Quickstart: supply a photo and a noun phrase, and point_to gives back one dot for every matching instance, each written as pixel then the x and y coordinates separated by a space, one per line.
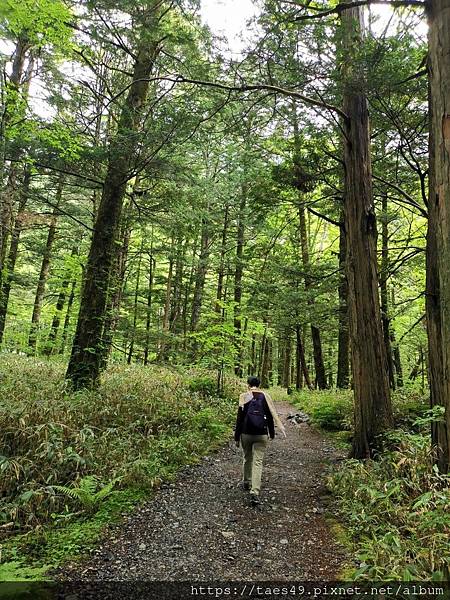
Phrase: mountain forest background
pixel 174 207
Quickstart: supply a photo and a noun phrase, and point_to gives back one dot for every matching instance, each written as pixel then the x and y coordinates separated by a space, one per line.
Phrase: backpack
pixel 255 418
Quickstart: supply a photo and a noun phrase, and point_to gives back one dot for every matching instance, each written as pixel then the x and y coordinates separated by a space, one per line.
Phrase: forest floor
pixel 202 527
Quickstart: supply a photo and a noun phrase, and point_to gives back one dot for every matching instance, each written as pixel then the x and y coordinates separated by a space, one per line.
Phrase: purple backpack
pixel 255 419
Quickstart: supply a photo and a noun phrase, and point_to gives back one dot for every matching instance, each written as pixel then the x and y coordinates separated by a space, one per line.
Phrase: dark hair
pixel 253 382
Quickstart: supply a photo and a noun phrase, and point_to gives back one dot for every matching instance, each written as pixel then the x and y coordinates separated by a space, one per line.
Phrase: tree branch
pixel 346 5
pixel 242 88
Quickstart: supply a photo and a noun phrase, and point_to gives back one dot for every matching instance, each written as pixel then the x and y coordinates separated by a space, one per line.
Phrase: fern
pixel 86 493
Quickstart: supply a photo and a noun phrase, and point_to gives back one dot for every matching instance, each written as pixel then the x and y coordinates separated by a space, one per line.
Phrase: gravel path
pixel 202 527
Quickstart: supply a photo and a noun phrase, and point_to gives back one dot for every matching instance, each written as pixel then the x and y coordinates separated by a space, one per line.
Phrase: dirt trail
pixel 201 527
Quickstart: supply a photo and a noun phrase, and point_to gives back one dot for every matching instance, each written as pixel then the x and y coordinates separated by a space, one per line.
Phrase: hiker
pixel 255 423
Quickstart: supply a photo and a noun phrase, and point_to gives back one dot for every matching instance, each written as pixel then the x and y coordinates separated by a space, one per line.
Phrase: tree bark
pixel 343 374
pixel 44 272
pixel 385 319
pixel 177 299
pixel 200 274
pixel 319 365
pixel 438 237
pixel 85 363
pixel 238 274
pixel 265 361
pixel 151 272
pixel 163 348
pixel 10 262
pixel 135 304
pixel 65 330
pixel 12 99
pixel 301 361
pixel 287 358
pixel 373 411
pixel 115 288
pixel 50 345
pixel 220 277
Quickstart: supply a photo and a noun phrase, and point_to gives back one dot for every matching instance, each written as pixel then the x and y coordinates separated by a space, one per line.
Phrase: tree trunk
pixel 135 304
pixel 10 262
pixel 163 348
pixel 65 330
pixel 438 237
pixel 221 273
pixel 176 304
pixel 287 358
pixel 385 319
pixel 319 365
pixel 265 362
pixel 115 288
pixel 301 360
pixel 343 375
pixel 373 411
pixel 151 272
pixel 50 345
pixel 200 275
pixel 85 363
pixel 298 362
pixel 13 101
pixel 238 273
pixel 44 273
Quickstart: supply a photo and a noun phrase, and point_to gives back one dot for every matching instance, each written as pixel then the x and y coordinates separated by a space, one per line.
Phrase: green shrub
pixel 396 510
pixel 331 409
pixel 408 405
pixel 204 385
pixel 140 426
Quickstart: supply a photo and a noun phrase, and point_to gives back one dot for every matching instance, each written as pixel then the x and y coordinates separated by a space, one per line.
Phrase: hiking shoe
pixel 254 500
pixel 244 485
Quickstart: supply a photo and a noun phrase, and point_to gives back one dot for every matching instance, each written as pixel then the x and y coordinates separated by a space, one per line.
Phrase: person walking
pixel 255 423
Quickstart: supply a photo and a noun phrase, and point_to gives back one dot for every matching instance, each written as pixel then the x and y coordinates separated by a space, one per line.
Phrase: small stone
pixel 227 534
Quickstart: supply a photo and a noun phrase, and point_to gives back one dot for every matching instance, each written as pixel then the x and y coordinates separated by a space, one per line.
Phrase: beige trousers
pixel 254 447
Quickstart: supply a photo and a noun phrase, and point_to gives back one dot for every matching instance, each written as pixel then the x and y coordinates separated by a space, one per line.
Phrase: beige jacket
pixel 247 396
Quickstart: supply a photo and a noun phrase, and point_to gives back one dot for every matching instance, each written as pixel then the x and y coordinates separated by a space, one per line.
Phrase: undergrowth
pixel 72 462
pixel 394 508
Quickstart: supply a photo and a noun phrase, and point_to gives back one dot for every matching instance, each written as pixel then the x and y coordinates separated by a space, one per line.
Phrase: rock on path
pixel 202 527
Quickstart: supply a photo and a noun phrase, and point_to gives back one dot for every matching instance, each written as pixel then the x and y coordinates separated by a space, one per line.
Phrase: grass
pixel 137 430
pixel 394 509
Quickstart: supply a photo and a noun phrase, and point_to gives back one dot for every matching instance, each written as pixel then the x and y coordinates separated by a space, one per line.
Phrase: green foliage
pixel 396 510
pixel 408 405
pixel 86 492
pixel 330 409
pixel 40 21
pixel 140 423
pixel 140 428
pixel 15 570
pixel 204 385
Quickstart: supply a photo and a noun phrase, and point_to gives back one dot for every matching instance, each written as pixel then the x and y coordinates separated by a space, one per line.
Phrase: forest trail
pixel 201 527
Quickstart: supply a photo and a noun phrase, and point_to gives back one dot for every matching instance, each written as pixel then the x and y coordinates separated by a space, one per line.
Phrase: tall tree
pixel 438 237
pixel 373 411
pixel 85 365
